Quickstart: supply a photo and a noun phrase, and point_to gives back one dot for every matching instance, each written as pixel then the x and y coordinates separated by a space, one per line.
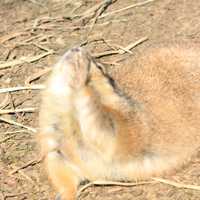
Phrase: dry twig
pixel 92 11
pixel 37 75
pixel 126 8
pixel 24 60
pixel 30 163
pixel 120 51
pixel 99 11
pixel 7 111
pixel 11 36
pixel 17 124
pixel 132 45
pixel 41 47
pixel 14 89
pixel 6 138
pixel 26 176
pixel 39 37
pixel 8 196
pixel 5 101
pixel 13 132
pixel 178 185
pixel 37 3
pixel 111 183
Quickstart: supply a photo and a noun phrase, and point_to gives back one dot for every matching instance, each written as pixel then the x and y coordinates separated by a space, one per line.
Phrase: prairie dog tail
pixel 150 166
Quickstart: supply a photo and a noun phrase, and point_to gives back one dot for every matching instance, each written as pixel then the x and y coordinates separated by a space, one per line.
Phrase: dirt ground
pixel 33 34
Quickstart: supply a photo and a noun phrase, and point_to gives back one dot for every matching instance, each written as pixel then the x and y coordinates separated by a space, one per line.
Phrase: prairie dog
pixel 141 120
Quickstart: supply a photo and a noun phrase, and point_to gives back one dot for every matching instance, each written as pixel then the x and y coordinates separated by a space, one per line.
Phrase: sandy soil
pixel 39 31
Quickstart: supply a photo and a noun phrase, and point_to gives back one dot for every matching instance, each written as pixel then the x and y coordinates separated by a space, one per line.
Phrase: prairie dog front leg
pixel 63 174
pixel 97 122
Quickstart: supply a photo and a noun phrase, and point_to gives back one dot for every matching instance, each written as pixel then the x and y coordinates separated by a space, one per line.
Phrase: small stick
pixel 120 51
pixel 37 75
pixel 126 8
pixel 91 11
pixel 6 196
pixel 30 163
pixel 123 50
pixel 11 36
pixel 14 89
pixel 12 132
pixel 132 45
pixel 6 138
pixel 41 47
pixel 32 38
pixel 175 184
pixel 7 111
pixel 5 101
pixel 24 60
pixel 100 10
pixel 105 53
pixel 26 176
pixel 20 172
pixel 111 183
pixel 17 124
pixel 45 37
pixel 37 3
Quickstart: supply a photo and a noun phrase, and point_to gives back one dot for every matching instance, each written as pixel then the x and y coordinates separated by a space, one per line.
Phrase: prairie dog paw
pixel 74 67
pixel 58 197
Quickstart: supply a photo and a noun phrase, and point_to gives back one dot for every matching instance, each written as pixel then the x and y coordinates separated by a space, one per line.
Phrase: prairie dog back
pixel 133 122
pixel 165 84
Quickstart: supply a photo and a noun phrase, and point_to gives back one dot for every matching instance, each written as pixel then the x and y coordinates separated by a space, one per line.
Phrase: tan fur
pixel 144 125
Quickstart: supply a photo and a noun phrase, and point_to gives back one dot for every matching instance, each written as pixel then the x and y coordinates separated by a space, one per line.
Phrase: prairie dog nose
pixel 74 52
pixel 73 68
pixel 74 56
pixel 76 49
